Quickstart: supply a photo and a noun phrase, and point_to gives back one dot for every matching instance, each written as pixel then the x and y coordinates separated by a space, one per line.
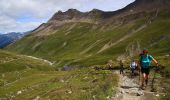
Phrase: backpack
pixel 133 65
pixel 148 57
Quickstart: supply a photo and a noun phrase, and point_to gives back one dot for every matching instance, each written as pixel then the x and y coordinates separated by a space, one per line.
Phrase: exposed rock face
pixel 137 6
pixel 134 10
pixel 68 15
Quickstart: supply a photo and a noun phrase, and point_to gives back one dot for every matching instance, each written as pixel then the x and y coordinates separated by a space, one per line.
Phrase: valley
pixel 67 57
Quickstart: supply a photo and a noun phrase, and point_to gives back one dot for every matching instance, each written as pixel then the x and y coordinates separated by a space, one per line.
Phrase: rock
pixel 69 91
pixel 167 55
pixel 37 98
pixel 157 95
pixel 122 91
pixel 127 91
pixel 19 92
pixel 139 93
pixel 108 97
pixel 62 81
pixel 12 96
pixel 94 97
pixel 85 78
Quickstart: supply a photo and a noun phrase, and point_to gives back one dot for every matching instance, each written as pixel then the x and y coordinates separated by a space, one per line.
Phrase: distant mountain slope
pixel 10 62
pixel 6 39
pixel 94 37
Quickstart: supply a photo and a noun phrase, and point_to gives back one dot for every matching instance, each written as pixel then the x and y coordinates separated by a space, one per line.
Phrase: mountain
pixel 78 46
pixel 6 39
pixel 91 38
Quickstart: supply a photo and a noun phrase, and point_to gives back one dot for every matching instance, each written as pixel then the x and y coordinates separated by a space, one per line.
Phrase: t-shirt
pixel 133 65
pixel 145 61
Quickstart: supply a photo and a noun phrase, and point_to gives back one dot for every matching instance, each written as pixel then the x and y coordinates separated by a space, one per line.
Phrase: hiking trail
pixel 128 89
pixel 36 58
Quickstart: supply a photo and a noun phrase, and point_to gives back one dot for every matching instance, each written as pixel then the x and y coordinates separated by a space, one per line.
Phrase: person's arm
pixel 155 61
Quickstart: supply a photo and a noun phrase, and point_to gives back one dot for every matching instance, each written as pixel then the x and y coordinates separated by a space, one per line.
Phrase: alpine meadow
pixel 68 57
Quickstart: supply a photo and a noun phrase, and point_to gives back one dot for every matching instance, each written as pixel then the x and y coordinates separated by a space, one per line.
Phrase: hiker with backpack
pixel 133 67
pixel 145 62
pixel 121 67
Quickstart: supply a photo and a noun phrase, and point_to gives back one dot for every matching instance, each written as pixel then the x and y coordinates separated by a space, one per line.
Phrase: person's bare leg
pixel 143 79
pixel 146 79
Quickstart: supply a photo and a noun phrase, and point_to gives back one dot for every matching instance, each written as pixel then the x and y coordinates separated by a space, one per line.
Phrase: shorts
pixel 132 69
pixel 145 70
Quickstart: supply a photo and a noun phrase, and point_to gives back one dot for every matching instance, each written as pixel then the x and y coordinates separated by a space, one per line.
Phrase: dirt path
pixel 44 60
pixel 129 89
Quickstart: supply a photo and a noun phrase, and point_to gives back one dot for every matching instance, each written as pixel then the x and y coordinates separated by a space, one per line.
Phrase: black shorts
pixel 145 70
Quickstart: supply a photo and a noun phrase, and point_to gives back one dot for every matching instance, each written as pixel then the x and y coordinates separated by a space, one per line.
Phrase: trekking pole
pixel 153 81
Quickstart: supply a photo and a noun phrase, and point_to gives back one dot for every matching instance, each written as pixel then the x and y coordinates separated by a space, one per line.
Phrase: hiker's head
pixel 145 51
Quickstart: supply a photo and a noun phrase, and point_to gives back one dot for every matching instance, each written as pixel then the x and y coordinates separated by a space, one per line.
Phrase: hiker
pixel 145 62
pixel 121 67
pixel 133 66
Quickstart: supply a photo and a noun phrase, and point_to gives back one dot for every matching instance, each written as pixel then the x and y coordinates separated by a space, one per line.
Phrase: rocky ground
pixel 129 89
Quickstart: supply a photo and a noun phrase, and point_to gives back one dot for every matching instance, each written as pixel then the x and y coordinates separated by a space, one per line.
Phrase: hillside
pixel 10 62
pixel 94 37
pixel 22 77
pixel 89 43
pixel 79 44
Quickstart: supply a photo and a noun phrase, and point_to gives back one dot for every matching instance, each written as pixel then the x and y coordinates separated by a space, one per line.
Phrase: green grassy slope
pixel 25 78
pixel 88 44
pixel 85 44
pixel 11 62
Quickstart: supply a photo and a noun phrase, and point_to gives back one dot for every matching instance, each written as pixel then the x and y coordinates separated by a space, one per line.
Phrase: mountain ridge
pixel 137 8
pixel 88 42
pixel 138 5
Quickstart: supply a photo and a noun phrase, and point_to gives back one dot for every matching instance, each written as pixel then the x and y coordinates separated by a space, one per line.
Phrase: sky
pixel 26 15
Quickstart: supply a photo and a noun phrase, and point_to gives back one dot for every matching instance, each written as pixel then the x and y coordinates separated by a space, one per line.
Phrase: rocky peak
pixel 73 11
pixel 96 11
pixel 67 15
pixel 135 7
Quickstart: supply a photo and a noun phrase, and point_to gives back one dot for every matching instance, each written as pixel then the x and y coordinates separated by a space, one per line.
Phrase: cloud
pixel 8 24
pixel 12 12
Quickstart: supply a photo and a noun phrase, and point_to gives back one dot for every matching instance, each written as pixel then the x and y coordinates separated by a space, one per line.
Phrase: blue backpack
pixel 145 61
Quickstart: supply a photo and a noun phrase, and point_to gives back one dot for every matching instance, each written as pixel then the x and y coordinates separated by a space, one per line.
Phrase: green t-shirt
pixel 145 61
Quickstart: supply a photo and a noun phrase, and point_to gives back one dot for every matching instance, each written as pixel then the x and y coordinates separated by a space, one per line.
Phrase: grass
pixel 83 41
pixel 11 62
pixel 72 85
pixel 80 47
pixel 41 80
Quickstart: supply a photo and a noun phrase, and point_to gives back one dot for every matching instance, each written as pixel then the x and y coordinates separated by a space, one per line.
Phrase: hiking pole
pixel 152 82
pixel 153 79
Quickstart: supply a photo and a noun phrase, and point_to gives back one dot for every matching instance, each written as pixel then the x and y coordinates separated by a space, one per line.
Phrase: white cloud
pixel 8 24
pixel 12 10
